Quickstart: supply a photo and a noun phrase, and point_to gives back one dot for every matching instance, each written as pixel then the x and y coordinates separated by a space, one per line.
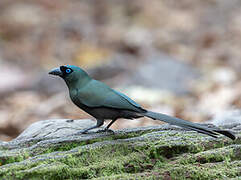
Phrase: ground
pixel 161 152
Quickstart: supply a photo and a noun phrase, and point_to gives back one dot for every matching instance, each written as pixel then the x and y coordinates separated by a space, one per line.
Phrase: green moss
pixel 203 171
pixel 173 155
pixel 13 158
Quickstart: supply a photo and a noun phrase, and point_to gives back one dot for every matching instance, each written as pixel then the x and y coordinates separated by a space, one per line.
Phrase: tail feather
pixel 226 133
pixel 188 125
pixel 202 131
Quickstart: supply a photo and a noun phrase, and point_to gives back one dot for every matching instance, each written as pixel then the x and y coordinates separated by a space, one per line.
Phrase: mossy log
pixel 49 150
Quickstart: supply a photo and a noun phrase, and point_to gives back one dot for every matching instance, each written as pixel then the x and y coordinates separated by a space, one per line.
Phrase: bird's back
pixel 98 94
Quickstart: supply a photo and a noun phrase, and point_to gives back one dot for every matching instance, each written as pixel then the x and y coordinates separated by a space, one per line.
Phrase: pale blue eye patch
pixel 68 71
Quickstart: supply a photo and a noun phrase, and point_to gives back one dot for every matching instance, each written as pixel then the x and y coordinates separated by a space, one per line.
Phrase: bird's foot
pixel 84 131
pixel 106 130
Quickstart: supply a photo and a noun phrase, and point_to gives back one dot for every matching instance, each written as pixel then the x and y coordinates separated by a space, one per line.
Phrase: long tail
pixel 189 125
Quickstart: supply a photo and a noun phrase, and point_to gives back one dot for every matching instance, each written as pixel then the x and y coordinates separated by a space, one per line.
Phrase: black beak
pixel 56 72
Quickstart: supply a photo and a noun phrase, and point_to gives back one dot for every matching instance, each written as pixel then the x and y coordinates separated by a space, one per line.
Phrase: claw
pixel 85 131
pixel 106 130
pixel 81 132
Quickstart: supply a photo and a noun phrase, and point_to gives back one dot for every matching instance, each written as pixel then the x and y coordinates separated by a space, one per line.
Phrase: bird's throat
pixel 77 84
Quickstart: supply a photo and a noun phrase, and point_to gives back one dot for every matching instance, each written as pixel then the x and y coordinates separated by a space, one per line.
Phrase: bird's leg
pixel 99 123
pixel 108 126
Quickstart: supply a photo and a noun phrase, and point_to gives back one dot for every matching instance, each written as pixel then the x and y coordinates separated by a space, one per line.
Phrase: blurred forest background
pixel 182 58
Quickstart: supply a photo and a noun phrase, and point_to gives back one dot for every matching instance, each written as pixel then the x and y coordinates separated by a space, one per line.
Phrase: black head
pixel 71 74
pixel 62 71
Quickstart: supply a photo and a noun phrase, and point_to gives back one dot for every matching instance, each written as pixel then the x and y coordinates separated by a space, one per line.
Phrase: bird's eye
pixel 68 71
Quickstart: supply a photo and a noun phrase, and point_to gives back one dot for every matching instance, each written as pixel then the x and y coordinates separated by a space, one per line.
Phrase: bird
pixel 105 103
